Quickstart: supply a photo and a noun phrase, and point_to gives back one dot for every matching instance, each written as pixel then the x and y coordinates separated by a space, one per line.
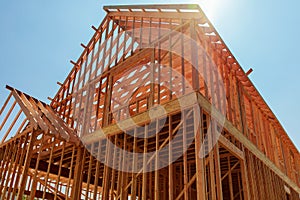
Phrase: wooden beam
pixel 231 147
pixel 142 118
pixel 156 15
pixel 156 6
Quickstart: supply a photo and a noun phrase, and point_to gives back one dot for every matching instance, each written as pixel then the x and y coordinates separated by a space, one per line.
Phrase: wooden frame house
pixel 156 107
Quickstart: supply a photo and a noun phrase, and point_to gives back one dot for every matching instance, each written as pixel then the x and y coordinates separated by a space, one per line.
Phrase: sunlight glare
pixel 212 7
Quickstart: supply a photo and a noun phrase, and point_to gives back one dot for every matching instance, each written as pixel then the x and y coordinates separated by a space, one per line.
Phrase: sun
pixel 212 7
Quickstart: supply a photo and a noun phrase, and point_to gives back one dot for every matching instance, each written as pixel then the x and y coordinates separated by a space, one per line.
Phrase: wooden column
pixel 134 166
pixel 185 164
pixel 34 183
pixel 98 164
pixel 77 174
pixel 70 173
pixel 200 166
pixel 171 174
pixel 245 179
pixel 124 170
pixel 89 171
pixel 114 165
pixel 106 172
pixel 59 171
pixel 211 158
pixel 26 165
pixel 107 103
pixel 194 57
pixel 217 160
pixel 145 159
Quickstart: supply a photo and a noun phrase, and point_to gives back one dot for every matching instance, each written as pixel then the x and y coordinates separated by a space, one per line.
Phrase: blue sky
pixel 38 38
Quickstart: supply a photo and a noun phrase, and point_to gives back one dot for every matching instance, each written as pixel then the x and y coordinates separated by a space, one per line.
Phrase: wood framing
pixel 156 107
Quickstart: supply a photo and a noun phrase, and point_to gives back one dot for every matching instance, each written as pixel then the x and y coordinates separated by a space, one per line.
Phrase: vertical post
pixel 132 36
pixel 152 79
pixel 70 172
pixel 111 44
pixel 80 180
pixel 125 38
pixel 200 167
pixel 134 166
pixel 105 45
pixel 242 108
pixel 98 164
pixel 68 100
pixel 77 174
pixel 182 58
pixel 107 103
pixel 159 63
pixel 170 62
pixel 124 172
pixel 89 172
pixel 106 171
pixel 230 178
pixel 217 161
pixel 34 183
pixel 86 114
pixel 232 95
pixel 48 168
pixel 184 149
pixel 100 33
pixel 145 159
pixel 59 170
pixel 245 179
pixel 211 163
pixel 118 44
pixel 171 175
pixel 156 169
pixel 113 176
pixel 250 136
pixel 76 85
pixel 26 165
pixel 194 57
pixel 119 172
pixel 98 104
